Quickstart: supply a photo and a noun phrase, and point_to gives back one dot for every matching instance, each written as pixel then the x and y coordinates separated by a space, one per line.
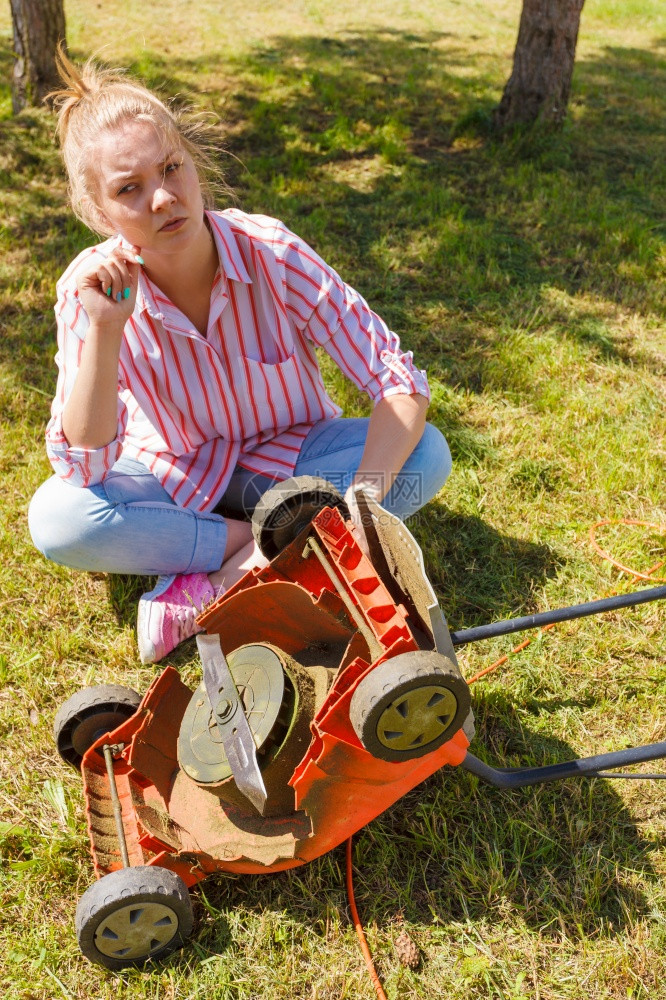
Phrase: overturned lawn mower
pixel 330 688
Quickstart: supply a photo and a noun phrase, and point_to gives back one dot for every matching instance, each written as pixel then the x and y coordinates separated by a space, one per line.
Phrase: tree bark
pixel 38 27
pixel 543 62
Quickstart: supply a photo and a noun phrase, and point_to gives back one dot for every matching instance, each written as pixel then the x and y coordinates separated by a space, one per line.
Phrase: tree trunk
pixel 539 85
pixel 38 27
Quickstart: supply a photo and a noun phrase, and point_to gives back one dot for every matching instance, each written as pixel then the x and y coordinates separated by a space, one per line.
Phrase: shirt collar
pixel 145 297
pixel 231 261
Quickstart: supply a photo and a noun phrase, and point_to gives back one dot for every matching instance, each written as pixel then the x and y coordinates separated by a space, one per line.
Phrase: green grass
pixel 527 276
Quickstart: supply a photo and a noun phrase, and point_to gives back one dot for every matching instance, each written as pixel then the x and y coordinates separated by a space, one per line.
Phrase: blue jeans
pixel 129 523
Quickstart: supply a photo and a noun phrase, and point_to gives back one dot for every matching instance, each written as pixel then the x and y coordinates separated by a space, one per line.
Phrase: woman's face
pixel 147 190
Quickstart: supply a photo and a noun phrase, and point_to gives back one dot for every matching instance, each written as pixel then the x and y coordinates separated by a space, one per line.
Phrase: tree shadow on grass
pixel 478 573
pixel 455 849
pixel 550 853
pixel 380 148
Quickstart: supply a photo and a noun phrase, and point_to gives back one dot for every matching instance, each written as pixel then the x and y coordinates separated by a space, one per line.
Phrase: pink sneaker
pixel 167 613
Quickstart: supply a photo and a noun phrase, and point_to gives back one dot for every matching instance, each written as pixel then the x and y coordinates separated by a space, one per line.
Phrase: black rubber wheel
pixel 284 510
pixel 409 705
pixel 133 915
pixel 89 714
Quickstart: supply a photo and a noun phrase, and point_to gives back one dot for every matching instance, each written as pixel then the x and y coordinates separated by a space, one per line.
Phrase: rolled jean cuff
pixel 209 545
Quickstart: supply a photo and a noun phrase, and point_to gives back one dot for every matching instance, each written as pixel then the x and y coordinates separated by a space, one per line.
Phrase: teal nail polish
pixel 126 293
pixel 108 291
pixel 119 296
pixel 140 260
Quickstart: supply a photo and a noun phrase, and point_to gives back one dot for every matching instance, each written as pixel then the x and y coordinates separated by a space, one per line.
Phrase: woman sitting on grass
pixel 188 383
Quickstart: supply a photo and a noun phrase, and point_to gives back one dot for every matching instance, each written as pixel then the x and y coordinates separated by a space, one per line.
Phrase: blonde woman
pixel 187 377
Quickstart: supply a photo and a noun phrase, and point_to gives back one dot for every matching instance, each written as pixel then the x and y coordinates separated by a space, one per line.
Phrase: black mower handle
pixel 559 615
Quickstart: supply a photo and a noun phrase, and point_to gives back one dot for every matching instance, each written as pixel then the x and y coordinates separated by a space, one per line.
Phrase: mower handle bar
pixel 585 767
pixel 559 615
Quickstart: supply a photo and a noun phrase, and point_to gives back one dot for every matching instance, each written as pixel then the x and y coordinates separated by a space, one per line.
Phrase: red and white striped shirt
pixel 191 407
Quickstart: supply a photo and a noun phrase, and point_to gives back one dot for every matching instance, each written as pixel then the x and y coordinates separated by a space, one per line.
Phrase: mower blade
pixel 231 721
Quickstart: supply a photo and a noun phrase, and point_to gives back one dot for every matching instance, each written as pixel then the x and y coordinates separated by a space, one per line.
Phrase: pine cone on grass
pixel 407 951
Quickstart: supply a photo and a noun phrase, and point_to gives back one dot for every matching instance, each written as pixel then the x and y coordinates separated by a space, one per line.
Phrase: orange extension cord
pixel 358 926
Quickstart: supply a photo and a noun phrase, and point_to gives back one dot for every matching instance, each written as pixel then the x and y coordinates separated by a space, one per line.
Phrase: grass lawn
pixel 527 276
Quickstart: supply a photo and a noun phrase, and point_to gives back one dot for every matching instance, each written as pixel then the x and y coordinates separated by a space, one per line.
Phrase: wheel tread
pixel 319 491
pixel 85 704
pixel 145 884
pixel 382 686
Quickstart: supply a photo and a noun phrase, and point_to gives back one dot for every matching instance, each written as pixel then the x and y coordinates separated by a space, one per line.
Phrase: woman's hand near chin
pixel 107 292
pixel 107 289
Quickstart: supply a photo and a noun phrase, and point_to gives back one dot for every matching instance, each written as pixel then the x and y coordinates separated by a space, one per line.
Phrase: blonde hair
pixel 94 99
